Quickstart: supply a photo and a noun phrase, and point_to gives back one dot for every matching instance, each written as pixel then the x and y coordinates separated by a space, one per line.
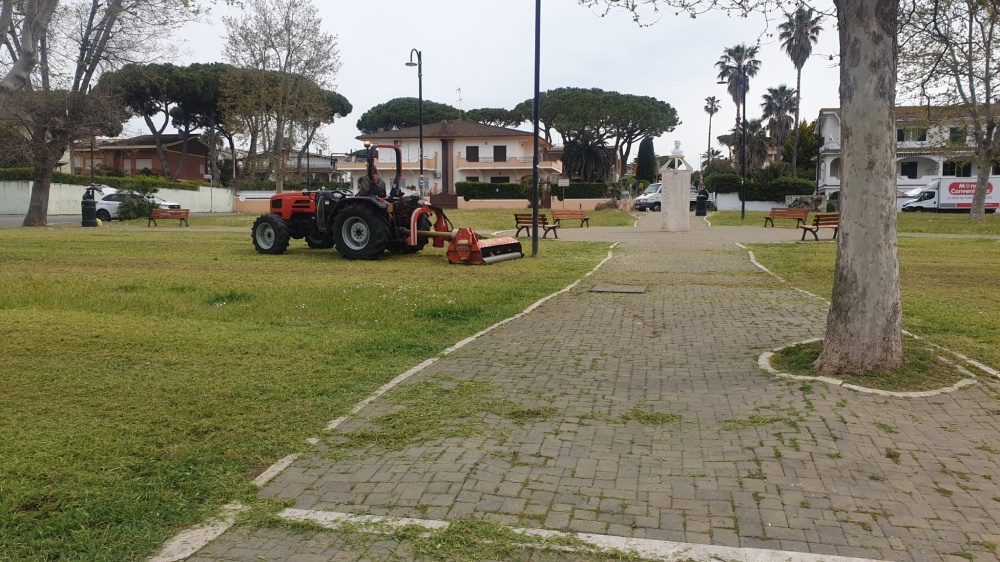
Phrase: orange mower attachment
pixel 468 248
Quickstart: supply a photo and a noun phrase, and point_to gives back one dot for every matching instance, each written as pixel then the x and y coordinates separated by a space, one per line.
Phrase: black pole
pixel 534 167
pixel 420 108
pixel 420 105
pixel 743 158
pixel 91 158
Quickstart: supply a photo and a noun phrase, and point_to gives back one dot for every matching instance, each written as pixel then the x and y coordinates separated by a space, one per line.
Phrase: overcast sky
pixel 485 48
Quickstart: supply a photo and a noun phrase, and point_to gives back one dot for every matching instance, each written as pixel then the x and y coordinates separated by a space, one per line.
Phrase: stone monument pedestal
pixel 675 192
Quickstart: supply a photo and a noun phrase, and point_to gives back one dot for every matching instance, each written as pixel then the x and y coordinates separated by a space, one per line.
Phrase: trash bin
pixel 88 208
pixel 701 204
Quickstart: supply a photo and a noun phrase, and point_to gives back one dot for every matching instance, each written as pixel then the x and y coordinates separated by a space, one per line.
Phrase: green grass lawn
pixel 480 219
pixel 148 374
pixel 932 223
pixel 949 287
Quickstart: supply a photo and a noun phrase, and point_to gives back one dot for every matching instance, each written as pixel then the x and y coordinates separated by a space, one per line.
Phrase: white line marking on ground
pixel 276 469
pixel 194 539
pixel 646 548
pixel 959 384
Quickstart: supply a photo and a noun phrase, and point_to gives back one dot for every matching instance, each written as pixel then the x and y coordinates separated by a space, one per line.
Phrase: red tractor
pixel 365 225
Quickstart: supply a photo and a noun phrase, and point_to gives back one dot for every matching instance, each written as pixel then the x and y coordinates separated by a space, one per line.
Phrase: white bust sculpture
pixel 677 152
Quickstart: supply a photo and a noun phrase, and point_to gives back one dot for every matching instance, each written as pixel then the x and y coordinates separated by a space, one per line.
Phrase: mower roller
pixel 365 225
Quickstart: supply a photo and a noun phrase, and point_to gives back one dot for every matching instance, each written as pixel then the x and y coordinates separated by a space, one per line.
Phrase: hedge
pixel 269 185
pixel 483 190
pixel 777 189
pixel 723 183
pixel 594 190
pixel 130 182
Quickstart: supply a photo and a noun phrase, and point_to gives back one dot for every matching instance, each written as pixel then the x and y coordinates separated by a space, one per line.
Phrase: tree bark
pixel 38 205
pixel 36 22
pixel 864 325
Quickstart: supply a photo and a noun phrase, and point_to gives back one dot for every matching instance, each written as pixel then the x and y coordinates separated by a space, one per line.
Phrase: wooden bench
pixel 787 213
pixel 523 222
pixel 179 214
pixel 570 215
pixel 821 221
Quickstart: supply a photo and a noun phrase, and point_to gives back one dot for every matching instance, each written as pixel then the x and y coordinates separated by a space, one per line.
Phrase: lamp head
pixel 411 63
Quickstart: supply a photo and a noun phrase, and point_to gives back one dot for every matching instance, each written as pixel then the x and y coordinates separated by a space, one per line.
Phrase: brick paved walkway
pixel 644 415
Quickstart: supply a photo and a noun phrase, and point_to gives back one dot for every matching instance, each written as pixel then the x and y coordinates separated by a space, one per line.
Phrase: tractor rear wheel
pixel 360 232
pixel 270 234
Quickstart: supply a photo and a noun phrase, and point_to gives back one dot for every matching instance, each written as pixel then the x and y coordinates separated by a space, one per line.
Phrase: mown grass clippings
pixel 440 408
pixel 130 408
pixel 922 369
pixel 944 492
pixel 892 454
pixel 648 417
pixel 989 448
pixel 886 428
pixel 947 286
pixel 755 420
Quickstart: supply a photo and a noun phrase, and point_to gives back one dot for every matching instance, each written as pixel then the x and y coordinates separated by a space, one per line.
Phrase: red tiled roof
pixel 448 130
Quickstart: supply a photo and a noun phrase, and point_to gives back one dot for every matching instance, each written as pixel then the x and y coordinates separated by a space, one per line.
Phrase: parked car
pixel 107 206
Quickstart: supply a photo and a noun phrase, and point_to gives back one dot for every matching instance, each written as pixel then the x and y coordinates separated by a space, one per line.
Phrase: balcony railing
pixel 513 163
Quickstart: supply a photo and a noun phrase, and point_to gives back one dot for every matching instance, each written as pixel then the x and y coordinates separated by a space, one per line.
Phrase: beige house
pixel 457 151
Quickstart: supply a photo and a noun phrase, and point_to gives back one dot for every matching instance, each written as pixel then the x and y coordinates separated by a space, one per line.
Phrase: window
pixel 909 170
pixel 472 153
pixel 910 135
pixel 957 169
pixel 500 153
pixel 472 178
pixel 996 169
pixel 500 179
pixel 143 164
pixel 957 135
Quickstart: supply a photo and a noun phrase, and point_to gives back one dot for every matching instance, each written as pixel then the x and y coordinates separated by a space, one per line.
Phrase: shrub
pixel 582 190
pixel 723 183
pixel 482 190
pixel 135 208
pixel 777 189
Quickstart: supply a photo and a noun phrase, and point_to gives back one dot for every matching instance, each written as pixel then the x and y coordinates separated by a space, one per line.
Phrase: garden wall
pixel 65 199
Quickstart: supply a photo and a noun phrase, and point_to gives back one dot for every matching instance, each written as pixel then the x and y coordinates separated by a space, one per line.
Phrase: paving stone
pixel 706 315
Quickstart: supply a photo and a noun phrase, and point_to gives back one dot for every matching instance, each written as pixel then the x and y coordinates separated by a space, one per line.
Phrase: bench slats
pixel 523 222
pixel 181 215
pixel 570 215
pixel 821 221
pixel 799 215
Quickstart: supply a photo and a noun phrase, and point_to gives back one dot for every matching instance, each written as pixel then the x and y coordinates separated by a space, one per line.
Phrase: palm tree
pixel 736 66
pixel 712 154
pixel 711 108
pixel 799 33
pixel 758 145
pixel 779 107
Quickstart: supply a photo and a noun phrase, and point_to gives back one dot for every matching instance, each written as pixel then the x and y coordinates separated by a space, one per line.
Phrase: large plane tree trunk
pixel 864 326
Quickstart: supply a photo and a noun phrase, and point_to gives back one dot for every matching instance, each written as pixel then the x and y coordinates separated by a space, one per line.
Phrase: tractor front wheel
pixel 270 234
pixel 360 232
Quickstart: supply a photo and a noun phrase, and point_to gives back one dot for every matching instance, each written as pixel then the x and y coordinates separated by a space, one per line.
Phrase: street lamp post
pixel 420 104
pixel 743 153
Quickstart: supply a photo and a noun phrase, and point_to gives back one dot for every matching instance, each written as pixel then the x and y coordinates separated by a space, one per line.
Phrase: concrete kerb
pixel 648 549
pixel 192 540
pixel 764 361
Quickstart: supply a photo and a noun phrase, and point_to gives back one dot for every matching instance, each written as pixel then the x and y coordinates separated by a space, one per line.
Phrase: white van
pixel 649 199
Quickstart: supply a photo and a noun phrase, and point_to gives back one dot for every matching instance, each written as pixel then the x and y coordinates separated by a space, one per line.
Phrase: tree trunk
pixel 158 141
pixel 864 325
pixel 708 153
pixel 795 126
pixel 184 151
pixel 33 28
pixel 38 207
pixel 978 210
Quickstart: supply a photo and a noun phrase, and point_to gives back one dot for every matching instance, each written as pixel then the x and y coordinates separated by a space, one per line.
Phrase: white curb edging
pixel 194 539
pixel 646 548
pixel 764 362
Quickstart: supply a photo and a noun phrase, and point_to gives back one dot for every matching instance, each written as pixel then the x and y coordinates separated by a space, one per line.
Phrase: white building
pixel 930 143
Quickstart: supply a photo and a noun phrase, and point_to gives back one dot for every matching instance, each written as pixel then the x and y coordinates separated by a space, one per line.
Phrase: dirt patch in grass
pixel 923 369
